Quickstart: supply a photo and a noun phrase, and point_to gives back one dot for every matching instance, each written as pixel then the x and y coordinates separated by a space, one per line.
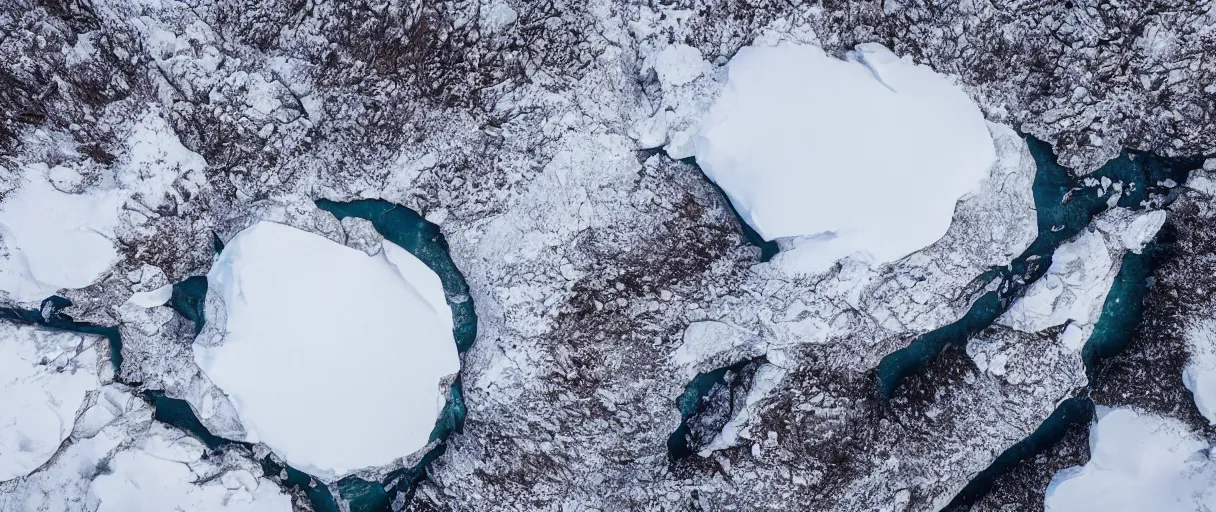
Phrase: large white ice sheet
pixel 865 156
pixel 332 358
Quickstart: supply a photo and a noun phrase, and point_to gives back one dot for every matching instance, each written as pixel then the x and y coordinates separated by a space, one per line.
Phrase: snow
pixel 866 156
pixel 710 344
pixel 677 65
pixel 62 483
pixel 157 475
pixel 1199 375
pixel 44 379
pixel 119 459
pixel 332 358
pixel 1137 462
pixel 156 159
pixel 1131 229
pixel 1073 289
pixel 54 239
pixel 153 298
pixel 498 15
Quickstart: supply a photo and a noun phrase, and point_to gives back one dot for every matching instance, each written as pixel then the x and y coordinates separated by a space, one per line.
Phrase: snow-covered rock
pixel 677 65
pixel 1073 289
pixel 1075 286
pixel 866 156
pixel 1133 230
pixel 118 459
pixel 44 379
pixel 54 239
pixel 1199 376
pixel 357 348
pixel 166 470
pixel 1137 462
pixel 152 298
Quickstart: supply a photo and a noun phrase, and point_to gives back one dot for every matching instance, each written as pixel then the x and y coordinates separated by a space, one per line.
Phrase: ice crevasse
pixel 862 157
pixel 333 359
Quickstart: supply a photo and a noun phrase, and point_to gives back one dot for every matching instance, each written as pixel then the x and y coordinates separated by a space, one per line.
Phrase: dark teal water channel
pixel 1064 205
pixel 1122 312
pixel 407 229
pixel 708 393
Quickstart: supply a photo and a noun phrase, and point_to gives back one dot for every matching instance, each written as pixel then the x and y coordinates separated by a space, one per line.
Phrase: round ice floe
pixel 332 358
pixel 865 156
pixel 44 377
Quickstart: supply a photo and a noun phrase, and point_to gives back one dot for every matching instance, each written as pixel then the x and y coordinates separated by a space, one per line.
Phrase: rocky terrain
pixel 548 142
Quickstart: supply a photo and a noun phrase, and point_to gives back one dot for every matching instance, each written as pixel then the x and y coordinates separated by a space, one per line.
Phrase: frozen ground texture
pixel 863 157
pixel 118 459
pixel 526 131
pixel 1138 461
pixel 44 380
pixel 163 471
pixel 358 347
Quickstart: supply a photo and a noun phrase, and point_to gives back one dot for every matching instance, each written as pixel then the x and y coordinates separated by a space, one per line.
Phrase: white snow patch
pixel 866 156
pixel 1199 376
pixel 156 475
pixel 1073 289
pixel 332 358
pixel 54 240
pixel 711 344
pixel 61 485
pixel 677 65
pixel 44 378
pixel 1131 229
pixel 1137 462
pixel 497 16
pixel 1203 181
pixel 154 298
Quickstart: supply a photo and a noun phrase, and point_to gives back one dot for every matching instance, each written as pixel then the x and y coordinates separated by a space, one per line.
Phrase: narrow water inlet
pixel 50 315
pixel 1065 204
pixel 702 411
pixel 1122 313
pixel 189 300
pixel 768 249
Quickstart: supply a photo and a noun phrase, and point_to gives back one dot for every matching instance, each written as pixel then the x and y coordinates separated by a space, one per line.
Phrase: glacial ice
pixel 44 379
pixel 354 348
pixel 861 157
pixel 1137 462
